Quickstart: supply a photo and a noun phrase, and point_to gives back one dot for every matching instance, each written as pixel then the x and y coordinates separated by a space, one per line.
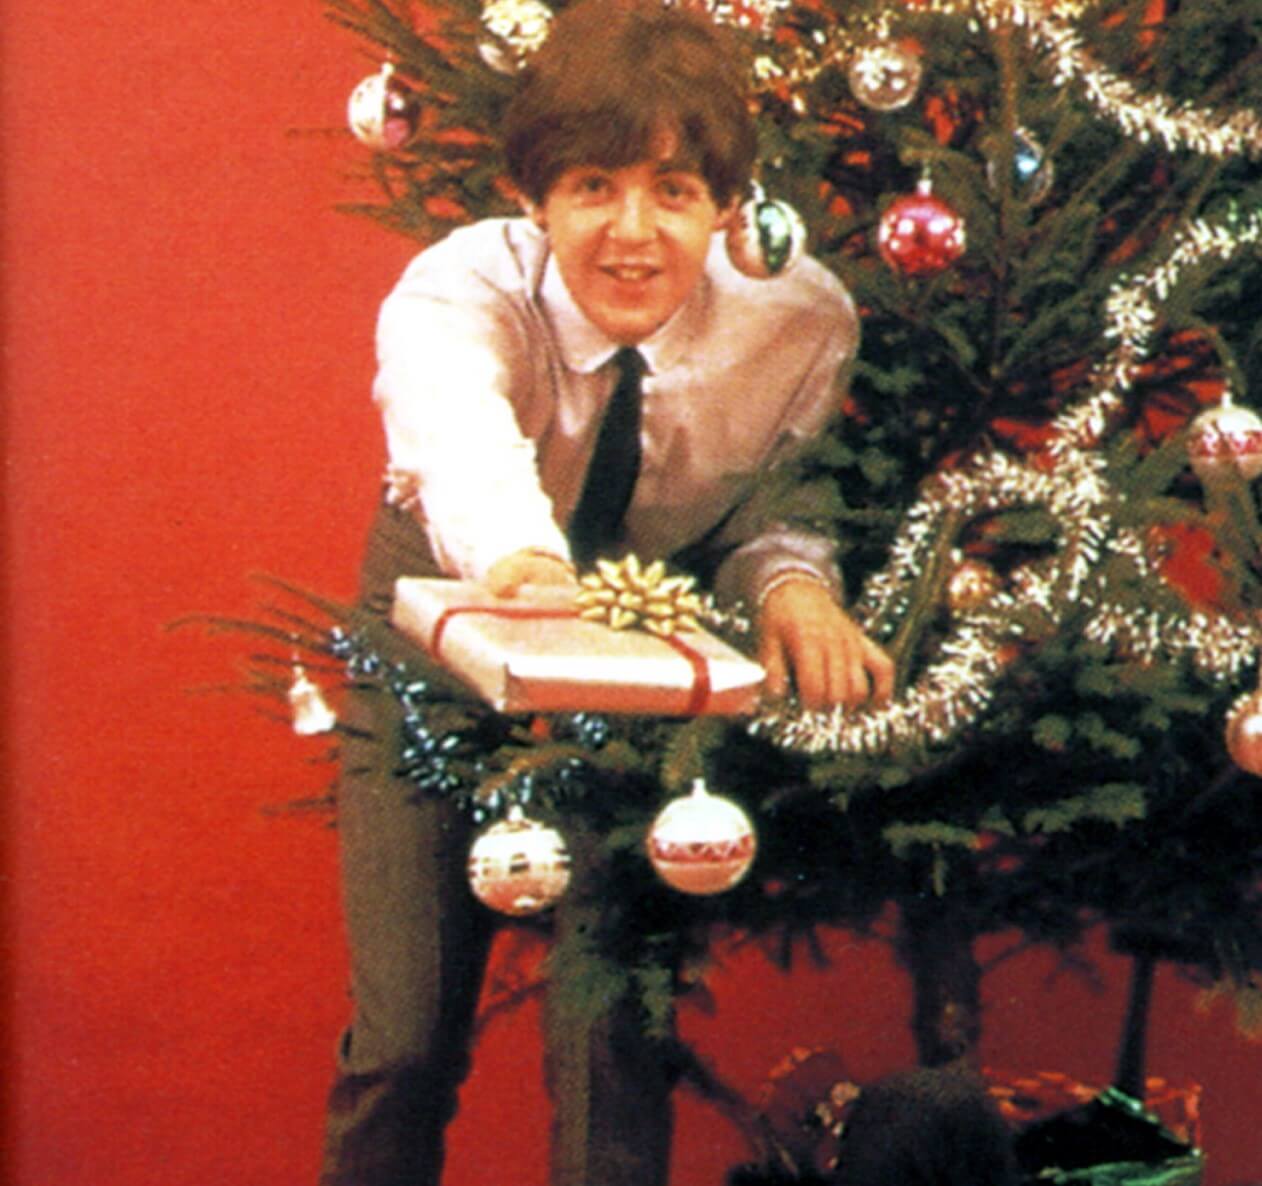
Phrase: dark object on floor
pixel 931 1126
pixel 753 1175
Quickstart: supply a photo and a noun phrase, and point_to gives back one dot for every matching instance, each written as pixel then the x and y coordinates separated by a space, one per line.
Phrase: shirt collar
pixel 584 347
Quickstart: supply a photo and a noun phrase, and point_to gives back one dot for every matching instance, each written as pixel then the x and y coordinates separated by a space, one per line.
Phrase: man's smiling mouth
pixel 631 273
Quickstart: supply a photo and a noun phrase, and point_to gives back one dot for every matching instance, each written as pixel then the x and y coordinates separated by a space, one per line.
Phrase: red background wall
pixel 187 356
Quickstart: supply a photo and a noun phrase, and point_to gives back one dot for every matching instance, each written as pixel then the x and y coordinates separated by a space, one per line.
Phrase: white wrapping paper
pixel 531 654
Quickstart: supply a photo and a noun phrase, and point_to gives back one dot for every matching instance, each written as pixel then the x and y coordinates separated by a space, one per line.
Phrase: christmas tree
pixel 1050 216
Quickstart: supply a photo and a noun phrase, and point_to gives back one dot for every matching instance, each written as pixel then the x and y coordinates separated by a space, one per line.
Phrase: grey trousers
pixel 419 942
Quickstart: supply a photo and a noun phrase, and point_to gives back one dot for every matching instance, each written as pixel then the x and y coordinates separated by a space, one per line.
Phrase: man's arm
pixel 450 352
pixel 786 569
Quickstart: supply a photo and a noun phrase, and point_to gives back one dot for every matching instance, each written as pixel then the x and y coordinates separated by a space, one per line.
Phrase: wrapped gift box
pixel 533 654
pixel 1071 1134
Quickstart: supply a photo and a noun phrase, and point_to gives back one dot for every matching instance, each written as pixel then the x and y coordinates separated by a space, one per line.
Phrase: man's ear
pixel 729 214
pixel 533 211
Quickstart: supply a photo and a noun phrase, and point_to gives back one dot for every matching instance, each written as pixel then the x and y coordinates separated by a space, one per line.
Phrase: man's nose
pixel 634 219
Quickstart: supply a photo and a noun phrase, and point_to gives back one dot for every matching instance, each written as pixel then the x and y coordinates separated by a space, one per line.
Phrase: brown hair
pixel 612 77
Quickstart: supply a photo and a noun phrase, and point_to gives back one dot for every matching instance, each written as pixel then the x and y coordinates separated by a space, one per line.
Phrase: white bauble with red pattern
pixel 1244 732
pixel 519 866
pixel 701 843
pixel 1226 438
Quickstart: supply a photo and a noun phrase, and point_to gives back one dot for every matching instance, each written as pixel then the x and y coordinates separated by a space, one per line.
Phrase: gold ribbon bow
pixel 623 594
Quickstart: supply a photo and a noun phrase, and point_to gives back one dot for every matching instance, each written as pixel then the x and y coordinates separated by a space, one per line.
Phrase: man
pixel 504 352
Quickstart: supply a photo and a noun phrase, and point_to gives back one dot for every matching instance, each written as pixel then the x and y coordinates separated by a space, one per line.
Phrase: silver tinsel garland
pixel 954 689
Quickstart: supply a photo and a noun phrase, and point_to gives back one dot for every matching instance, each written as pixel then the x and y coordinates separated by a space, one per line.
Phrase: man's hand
pixel 805 636
pixel 527 567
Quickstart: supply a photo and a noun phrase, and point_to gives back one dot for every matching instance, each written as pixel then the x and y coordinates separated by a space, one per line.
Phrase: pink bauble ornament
pixel 701 843
pixel 920 234
pixel 1226 439
pixel 383 111
pixel 885 75
pixel 1244 732
pixel 519 866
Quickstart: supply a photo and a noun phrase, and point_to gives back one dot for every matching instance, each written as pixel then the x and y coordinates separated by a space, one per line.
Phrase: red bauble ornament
pixel 1226 439
pixel 920 234
pixel 701 843
pixel 1244 732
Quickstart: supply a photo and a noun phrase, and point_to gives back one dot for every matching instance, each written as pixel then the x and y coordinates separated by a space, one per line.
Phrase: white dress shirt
pixel 492 386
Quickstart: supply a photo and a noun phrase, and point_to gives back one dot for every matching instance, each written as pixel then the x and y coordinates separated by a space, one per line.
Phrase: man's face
pixel 631 242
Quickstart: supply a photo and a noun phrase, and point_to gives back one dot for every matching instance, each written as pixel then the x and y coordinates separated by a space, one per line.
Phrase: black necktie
pixel 614 467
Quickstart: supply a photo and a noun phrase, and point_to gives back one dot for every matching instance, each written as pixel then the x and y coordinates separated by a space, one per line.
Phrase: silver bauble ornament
pixel 767 236
pixel 701 843
pixel 383 111
pixel 519 866
pixel 1032 171
pixel 885 75
pixel 1224 439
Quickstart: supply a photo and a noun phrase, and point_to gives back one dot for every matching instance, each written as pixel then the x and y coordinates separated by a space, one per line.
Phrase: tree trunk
pixel 946 981
pixel 1130 1076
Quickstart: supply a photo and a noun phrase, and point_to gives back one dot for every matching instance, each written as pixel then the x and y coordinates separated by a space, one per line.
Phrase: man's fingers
pixel 507 575
pixel 500 584
pixel 771 656
pixel 814 672
pixel 881 668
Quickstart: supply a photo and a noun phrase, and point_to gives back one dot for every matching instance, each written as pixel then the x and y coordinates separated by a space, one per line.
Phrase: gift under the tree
pixel 1063 1132
pixel 1029 1098
pixel 534 653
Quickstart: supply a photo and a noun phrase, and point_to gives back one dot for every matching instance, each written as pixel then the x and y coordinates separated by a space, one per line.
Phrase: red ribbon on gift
pixel 698 697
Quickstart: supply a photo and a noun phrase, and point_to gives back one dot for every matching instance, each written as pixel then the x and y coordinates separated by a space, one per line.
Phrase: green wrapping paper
pixel 1181 1171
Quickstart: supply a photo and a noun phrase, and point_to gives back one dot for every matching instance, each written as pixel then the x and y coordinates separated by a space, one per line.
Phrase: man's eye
pixel 593 183
pixel 675 189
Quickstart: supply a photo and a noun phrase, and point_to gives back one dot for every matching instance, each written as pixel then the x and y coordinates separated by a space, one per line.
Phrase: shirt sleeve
pixel 761 545
pixel 452 355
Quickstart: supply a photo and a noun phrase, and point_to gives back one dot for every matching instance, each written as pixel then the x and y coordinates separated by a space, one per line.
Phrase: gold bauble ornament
pixel 971 585
pixel 519 27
